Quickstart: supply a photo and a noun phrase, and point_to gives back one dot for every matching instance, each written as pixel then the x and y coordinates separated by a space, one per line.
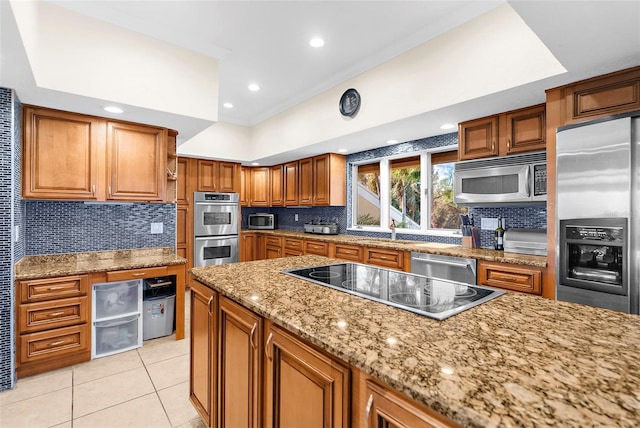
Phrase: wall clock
pixel 350 103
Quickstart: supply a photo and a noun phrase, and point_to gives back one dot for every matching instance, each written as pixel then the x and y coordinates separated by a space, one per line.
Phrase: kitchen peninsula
pixel 517 360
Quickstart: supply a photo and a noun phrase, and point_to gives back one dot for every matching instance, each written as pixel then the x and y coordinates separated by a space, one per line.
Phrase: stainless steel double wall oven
pixel 215 227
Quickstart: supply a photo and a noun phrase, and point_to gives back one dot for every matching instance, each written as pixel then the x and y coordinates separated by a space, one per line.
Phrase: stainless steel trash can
pixel 158 307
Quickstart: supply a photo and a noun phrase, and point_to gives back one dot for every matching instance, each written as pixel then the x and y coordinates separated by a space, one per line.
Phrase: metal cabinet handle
pixel 59 342
pixel 55 314
pixel 209 305
pixel 266 346
pixel 93 192
pixel 54 288
pixel 493 146
pixel 253 330
pixel 508 144
pixel 367 409
pixel 109 190
pixel 508 278
pixel 139 274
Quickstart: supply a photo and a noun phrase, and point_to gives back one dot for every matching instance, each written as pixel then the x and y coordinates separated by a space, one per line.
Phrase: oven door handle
pixel 216 237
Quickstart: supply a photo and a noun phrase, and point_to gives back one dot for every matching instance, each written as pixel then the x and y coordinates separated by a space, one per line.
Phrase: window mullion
pixel 425 195
pixel 385 191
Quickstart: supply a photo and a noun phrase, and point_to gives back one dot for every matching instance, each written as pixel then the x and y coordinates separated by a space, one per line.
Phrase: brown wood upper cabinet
pixel 245 186
pixel 136 159
pixel 305 181
pixel 70 156
pixel 329 183
pixel 260 187
pixel 291 184
pixel 60 154
pixel 216 176
pixel 277 186
pixel 516 131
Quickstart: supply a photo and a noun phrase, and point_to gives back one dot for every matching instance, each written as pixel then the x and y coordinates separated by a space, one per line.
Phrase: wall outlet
pixel 489 223
pixel 156 227
pixel 295 217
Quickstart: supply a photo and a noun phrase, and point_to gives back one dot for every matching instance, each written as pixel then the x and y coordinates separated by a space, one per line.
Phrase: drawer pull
pixel 266 346
pixel 209 305
pixel 507 278
pixel 367 409
pixel 253 330
pixel 59 342
pixel 56 314
pixel 139 274
pixel 55 287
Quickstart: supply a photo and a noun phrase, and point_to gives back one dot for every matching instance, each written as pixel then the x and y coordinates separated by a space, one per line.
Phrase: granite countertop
pixel 517 360
pixel 419 246
pixel 52 265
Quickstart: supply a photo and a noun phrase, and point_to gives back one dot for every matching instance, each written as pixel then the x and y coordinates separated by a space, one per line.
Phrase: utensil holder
pixel 467 242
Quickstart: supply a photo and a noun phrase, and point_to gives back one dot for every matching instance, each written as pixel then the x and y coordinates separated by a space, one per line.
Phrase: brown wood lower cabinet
pixel 240 366
pixel 293 247
pixel 273 247
pixel 392 259
pixel 511 277
pixel 204 351
pixel 303 387
pixel 353 253
pixel 317 248
pixel 248 372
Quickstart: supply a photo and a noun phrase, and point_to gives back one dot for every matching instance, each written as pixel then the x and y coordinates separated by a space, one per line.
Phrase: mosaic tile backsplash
pixel 70 227
pixel 7 171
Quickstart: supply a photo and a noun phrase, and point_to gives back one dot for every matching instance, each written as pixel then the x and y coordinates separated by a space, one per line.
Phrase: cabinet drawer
pixel 317 248
pixel 124 275
pixel 38 290
pixel 54 343
pixel 292 244
pixel 273 241
pixel 385 258
pixel 58 313
pixel 349 252
pixel 510 277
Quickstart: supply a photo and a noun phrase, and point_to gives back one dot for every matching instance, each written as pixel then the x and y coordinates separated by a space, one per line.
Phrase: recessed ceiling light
pixel 392 141
pixel 254 87
pixel 255 163
pixel 447 126
pixel 316 42
pixel 113 109
pixel 227 105
pixel 342 150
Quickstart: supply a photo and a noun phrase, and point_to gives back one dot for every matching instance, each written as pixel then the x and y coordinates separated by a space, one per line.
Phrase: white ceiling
pixel 267 42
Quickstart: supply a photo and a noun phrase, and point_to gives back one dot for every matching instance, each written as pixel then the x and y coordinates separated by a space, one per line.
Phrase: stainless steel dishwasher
pixel 444 267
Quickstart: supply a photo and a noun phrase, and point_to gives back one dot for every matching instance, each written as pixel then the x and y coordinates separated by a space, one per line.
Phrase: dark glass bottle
pixel 498 236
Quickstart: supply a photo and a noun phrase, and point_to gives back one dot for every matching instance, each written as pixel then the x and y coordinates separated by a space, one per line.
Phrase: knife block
pixel 467 242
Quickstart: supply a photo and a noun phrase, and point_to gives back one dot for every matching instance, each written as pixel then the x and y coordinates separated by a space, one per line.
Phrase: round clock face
pixel 350 103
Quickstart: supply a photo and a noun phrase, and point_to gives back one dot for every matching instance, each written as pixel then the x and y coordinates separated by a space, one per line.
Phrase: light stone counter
pixel 52 265
pixel 517 360
pixel 419 246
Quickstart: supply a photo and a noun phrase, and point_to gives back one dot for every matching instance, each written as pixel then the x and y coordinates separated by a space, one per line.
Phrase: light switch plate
pixel 156 227
pixel 295 217
pixel 489 223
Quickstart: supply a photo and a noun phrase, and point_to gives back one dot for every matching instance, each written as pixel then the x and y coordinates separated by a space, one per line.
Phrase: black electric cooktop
pixel 431 297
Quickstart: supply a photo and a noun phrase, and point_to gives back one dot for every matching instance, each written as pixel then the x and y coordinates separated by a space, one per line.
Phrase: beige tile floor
pixel 147 387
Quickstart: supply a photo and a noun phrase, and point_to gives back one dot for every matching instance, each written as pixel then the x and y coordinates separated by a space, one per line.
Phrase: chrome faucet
pixel 393 226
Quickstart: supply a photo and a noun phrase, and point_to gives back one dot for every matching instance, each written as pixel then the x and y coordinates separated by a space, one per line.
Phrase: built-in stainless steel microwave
pixel 516 179
pixel 262 221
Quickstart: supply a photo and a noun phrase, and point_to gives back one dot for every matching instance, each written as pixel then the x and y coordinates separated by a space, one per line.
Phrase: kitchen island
pixel 517 360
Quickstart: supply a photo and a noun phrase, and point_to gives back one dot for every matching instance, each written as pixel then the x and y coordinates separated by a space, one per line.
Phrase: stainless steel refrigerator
pixel 598 213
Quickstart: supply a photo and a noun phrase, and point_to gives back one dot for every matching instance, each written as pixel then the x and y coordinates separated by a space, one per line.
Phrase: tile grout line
pixel 154 389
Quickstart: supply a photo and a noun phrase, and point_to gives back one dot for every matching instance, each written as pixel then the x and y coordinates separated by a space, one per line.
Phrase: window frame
pixel 385 198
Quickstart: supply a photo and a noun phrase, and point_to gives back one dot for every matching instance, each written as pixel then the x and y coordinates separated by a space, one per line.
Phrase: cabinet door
pixel 525 130
pixel 184 233
pixel 273 252
pixel 260 183
pixel 386 258
pixel 329 180
pixel 349 252
pixel 478 138
pixel 227 177
pixel 291 184
pixel 303 387
pixel 136 162
pixel 204 330
pixel 277 186
pixel 248 247
pixel 60 155
pixel 240 373
pixel 387 409
pixel 207 176
pixel 305 180
pixel 510 277
pixel 184 190
pixel 317 248
pixel 245 186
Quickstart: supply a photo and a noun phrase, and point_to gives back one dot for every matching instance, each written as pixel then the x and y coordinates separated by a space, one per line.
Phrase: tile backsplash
pixel 532 217
pixel 70 227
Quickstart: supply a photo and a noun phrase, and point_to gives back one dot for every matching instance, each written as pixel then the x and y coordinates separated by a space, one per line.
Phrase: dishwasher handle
pixel 443 262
